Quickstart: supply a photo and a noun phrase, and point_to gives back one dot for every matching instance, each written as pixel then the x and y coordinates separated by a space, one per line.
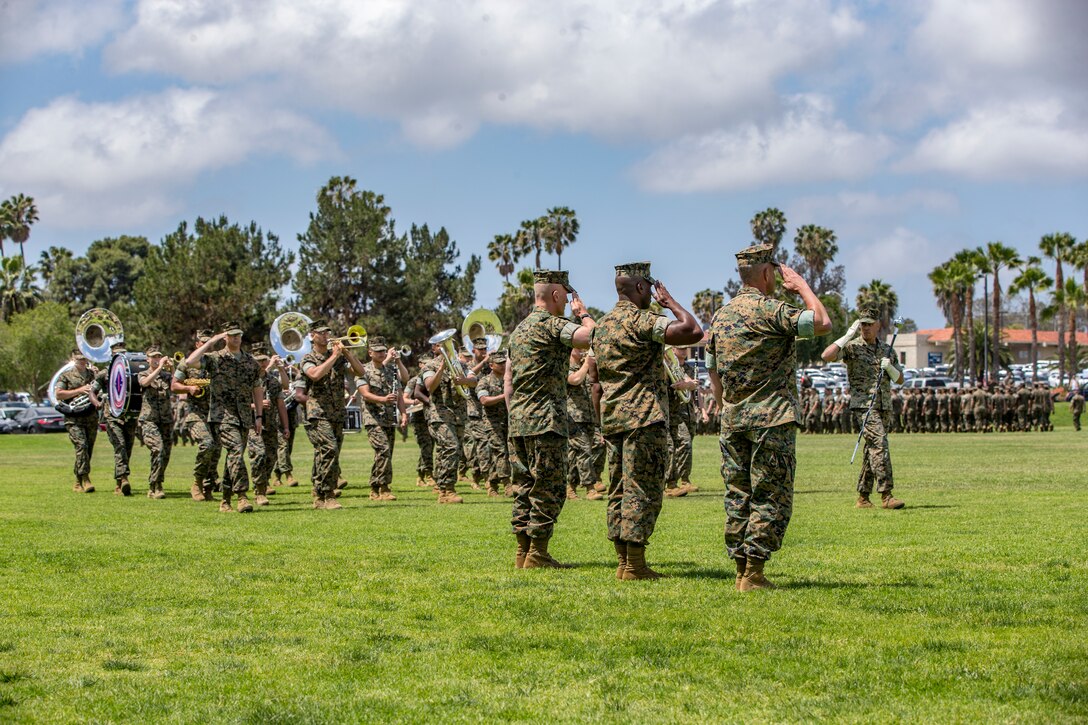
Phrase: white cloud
pixel 29 28
pixel 123 162
pixel 869 205
pixel 1037 140
pixel 807 144
pixel 618 69
pixel 898 257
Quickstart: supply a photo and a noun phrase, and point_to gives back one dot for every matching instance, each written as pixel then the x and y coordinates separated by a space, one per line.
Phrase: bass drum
pixel 126 395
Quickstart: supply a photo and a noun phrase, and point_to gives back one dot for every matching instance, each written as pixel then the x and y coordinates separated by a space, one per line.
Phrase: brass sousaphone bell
pixel 485 323
pixel 290 337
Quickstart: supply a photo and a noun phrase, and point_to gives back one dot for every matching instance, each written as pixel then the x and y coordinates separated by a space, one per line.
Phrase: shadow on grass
pixel 908 507
pixel 798 493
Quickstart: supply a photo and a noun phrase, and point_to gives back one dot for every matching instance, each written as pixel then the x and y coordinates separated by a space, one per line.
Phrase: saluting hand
pixel 576 305
pixel 661 294
pixel 791 280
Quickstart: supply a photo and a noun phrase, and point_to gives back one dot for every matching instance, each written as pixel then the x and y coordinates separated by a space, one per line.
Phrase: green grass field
pixel 968 606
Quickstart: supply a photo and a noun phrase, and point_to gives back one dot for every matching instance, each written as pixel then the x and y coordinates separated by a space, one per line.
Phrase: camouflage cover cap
pixel 868 315
pixel 152 350
pixel 117 347
pixel 635 269
pixel 552 276
pixel 376 343
pixel 77 355
pixel 499 356
pixel 479 343
pixel 232 328
pixel 755 254
pixel 203 335
pixel 320 325
pixel 258 351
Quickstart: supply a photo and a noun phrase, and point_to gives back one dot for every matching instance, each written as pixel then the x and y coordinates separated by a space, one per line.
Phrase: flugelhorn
pixel 445 340
pixel 483 322
pixel 289 336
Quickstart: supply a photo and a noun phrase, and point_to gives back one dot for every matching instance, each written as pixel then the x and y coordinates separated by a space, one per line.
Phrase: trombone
pixel 355 338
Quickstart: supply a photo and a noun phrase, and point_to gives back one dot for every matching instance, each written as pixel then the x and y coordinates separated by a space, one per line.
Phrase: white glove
pixel 850 334
pixel 890 369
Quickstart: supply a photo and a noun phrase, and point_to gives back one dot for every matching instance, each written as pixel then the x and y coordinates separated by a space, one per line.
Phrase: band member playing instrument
pixel 582 424
pixel 383 376
pixel 871 366
pixel 475 437
pixel 121 430
pixel 325 368
pixel 235 392
pixel 492 395
pixel 273 413
pixel 680 430
pixel 204 433
pixel 445 421
pixel 536 390
pixel 156 417
pixel 82 426
pixel 629 347
pixel 416 393
pixel 294 399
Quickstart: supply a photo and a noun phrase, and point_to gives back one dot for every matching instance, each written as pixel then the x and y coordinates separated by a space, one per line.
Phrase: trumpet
pixel 179 357
pixel 200 383
pixel 356 337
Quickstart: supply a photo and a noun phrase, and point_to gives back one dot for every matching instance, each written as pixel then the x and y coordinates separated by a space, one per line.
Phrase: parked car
pixel 7 420
pixel 927 383
pixel 40 419
pixel 15 405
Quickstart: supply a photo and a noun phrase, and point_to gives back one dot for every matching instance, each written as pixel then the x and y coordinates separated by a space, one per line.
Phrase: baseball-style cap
pixel 635 269
pixel 755 254
pixel 320 325
pixel 552 276
pixel 231 328
pixel 868 315
pixel 376 343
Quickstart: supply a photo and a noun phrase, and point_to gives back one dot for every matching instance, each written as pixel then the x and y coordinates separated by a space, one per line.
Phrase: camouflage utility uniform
pixel 865 376
pixel 496 430
pixel 83 428
pixel 679 467
pixel 121 430
pixel 234 377
pixel 582 427
pixel 157 426
pixel 445 420
pixel 204 433
pixel 263 447
pixel 380 421
pixel 325 416
pixel 752 347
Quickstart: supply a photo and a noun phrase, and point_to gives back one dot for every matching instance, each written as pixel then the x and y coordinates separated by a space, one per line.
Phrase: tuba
pixel 290 336
pixel 457 370
pixel 483 323
pixel 672 367
pixel 96 331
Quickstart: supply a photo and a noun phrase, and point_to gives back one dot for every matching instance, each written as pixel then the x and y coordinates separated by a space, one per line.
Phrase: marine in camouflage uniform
pixel 263 445
pixel 944 414
pixel 491 394
pixel 82 428
pixel 418 393
pixel 1076 407
pixel 1023 407
pixel 203 433
pixel 325 371
pixel 235 392
pixel 537 385
pixel 678 470
pixel 157 418
pixel 476 455
pixel 445 422
pixel 121 430
pixel 379 387
pixel 285 442
pixel 629 344
pixel 929 411
pixel 967 411
pixel 871 365
pixel 752 360
pixel 581 425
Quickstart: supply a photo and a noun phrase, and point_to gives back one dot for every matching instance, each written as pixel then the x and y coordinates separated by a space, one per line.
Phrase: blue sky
pixel 911 129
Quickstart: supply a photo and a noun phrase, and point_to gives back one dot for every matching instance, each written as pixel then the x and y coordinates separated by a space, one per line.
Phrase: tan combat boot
pixel 331 504
pixel 572 495
pixel 674 491
pixel 159 493
pixel 621 556
pixel 319 502
pixel 375 493
pixel 88 487
pixel 636 564
pixel 224 506
pixel 475 485
pixel 601 486
pixel 890 502
pixel 196 491
pixel 209 493
pixel 276 480
pixel 508 490
pixel 863 501
pixel 291 480
pixel 742 564
pixel 261 499
pixel 753 578
pixel 592 494
pixel 244 506
pixel 524 542
pixel 386 495
pixel 449 497
pixel 78 487
pixel 493 490
pixel 691 487
pixel 117 489
pixel 420 483
pixel 539 558
pixel 126 487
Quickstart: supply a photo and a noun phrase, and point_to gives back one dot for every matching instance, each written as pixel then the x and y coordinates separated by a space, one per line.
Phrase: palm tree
pixel 534 231
pixel 501 251
pixel 974 262
pixel 18 293
pixel 880 295
pixel 1033 280
pixel 706 303
pixel 16 217
pixel 999 256
pixel 816 245
pixel 1057 246
pixel 950 281
pixel 1069 299
pixel 768 226
pixel 561 227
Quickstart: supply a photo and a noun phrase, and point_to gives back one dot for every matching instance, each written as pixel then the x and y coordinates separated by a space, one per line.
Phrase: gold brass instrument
pixel 456 369
pixel 96 331
pixel 178 358
pixel 200 383
pixel 355 338
pixel 483 322
pixel 672 367
pixel 290 337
